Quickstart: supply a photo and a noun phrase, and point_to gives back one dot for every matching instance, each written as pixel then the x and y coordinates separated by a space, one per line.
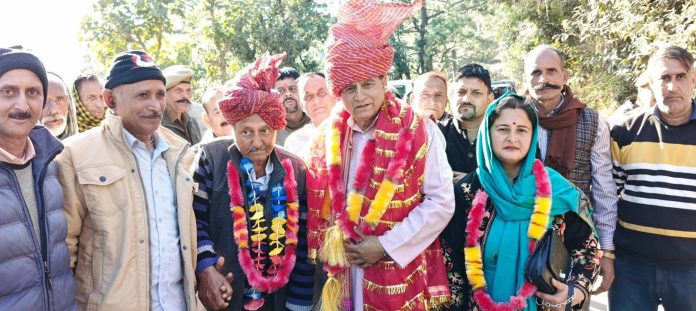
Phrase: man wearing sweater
pixel 655 172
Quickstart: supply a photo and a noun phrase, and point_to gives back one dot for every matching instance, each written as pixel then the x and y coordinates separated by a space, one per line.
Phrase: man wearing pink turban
pixel 379 188
pixel 250 204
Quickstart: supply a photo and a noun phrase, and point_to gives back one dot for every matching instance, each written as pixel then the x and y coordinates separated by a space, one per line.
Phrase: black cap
pixel 131 67
pixel 17 57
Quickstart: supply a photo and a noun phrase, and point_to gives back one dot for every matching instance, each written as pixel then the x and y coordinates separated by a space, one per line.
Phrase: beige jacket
pixel 107 217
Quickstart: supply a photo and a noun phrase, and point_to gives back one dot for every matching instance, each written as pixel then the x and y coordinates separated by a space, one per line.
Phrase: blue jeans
pixel 640 286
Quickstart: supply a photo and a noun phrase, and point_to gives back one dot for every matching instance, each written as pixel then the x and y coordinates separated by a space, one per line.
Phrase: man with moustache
pixel 89 102
pixel 574 140
pixel 58 116
pixel 470 95
pixel 266 186
pixel 655 171
pixel 379 186
pixel 34 261
pixel 179 94
pixel 286 85
pixel 128 194
pixel 317 102
pixel 429 96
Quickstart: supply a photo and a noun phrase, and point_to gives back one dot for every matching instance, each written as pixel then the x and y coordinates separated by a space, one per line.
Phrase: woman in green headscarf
pixel 498 231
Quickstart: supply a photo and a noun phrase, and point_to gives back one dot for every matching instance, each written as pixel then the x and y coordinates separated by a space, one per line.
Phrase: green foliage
pixel 611 42
pixel 120 25
pixel 245 29
pixel 215 37
pixel 443 36
pixel 606 42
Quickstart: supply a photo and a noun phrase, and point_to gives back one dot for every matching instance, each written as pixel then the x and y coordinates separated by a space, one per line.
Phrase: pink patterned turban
pixel 358 48
pixel 251 92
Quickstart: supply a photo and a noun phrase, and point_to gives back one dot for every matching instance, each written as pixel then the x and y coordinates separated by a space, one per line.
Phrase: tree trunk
pixel 421 42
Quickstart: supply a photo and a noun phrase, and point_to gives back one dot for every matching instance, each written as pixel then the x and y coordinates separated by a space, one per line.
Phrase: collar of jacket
pixel 113 125
pixel 46 148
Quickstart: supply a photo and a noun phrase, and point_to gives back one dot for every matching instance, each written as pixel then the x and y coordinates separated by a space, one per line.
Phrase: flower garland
pixel 472 252
pixel 347 210
pixel 253 269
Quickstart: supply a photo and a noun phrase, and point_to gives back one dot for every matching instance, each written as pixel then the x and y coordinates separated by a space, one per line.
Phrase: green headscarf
pixel 507 239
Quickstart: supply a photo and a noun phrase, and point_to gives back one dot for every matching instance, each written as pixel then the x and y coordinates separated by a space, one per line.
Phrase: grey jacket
pixel 35 271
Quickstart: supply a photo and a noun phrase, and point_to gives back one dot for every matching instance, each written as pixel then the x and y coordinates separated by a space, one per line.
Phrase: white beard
pixel 56 131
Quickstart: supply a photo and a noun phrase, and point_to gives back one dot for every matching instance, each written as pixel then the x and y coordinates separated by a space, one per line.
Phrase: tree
pixel 214 37
pixel 612 40
pixel 245 29
pixel 120 25
pixel 442 36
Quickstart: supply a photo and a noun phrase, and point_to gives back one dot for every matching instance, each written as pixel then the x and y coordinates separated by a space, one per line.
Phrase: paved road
pixel 599 302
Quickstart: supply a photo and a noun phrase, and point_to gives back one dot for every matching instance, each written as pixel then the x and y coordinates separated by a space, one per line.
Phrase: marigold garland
pixel 347 208
pixel 474 257
pixel 282 266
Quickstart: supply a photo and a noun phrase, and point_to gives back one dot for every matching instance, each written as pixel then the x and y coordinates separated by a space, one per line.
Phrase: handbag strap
pixel 571 296
pixel 571 287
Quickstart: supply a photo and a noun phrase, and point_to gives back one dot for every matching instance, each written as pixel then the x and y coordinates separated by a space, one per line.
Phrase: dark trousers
pixel 640 286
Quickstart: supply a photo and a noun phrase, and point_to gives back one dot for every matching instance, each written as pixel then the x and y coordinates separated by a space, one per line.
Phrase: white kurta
pixel 299 141
pixel 405 241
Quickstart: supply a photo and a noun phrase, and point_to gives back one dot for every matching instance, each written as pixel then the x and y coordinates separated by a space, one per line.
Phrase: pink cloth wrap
pixel 357 48
pixel 251 92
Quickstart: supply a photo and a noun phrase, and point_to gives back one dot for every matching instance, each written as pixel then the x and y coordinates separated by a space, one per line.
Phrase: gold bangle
pixel 609 255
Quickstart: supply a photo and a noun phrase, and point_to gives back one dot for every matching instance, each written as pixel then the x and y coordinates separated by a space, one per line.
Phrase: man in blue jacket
pixel 34 262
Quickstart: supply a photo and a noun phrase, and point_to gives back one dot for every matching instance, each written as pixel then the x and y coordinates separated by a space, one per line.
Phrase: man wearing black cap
pixel 128 197
pixel 34 263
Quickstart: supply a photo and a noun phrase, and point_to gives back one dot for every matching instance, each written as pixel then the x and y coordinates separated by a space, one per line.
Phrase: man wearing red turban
pixel 379 189
pixel 250 204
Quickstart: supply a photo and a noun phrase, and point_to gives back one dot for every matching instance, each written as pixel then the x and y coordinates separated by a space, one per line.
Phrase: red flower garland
pixel 363 172
pixel 483 299
pixel 241 234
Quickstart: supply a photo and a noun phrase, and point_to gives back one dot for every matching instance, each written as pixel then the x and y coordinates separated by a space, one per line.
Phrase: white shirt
pixel 299 141
pixel 263 180
pixel 408 239
pixel 166 267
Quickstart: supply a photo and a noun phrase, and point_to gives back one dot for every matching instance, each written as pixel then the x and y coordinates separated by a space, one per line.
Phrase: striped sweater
pixel 655 171
pixel 214 222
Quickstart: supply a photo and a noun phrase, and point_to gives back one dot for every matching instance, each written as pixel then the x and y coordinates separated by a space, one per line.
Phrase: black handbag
pixel 550 260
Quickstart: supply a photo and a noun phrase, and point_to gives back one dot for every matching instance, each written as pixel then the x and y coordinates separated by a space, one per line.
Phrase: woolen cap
pixel 131 67
pixel 16 57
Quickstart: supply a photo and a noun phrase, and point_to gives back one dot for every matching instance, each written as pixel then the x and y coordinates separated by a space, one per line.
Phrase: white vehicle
pixel 401 88
pixel 502 86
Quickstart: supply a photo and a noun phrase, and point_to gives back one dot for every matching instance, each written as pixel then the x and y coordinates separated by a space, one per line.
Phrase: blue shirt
pixel 166 268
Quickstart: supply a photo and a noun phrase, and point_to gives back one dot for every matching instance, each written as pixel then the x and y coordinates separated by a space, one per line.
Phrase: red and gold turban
pixel 251 92
pixel 358 48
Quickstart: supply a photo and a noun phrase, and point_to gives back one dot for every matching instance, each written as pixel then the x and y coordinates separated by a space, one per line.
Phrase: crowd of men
pixel 120 194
